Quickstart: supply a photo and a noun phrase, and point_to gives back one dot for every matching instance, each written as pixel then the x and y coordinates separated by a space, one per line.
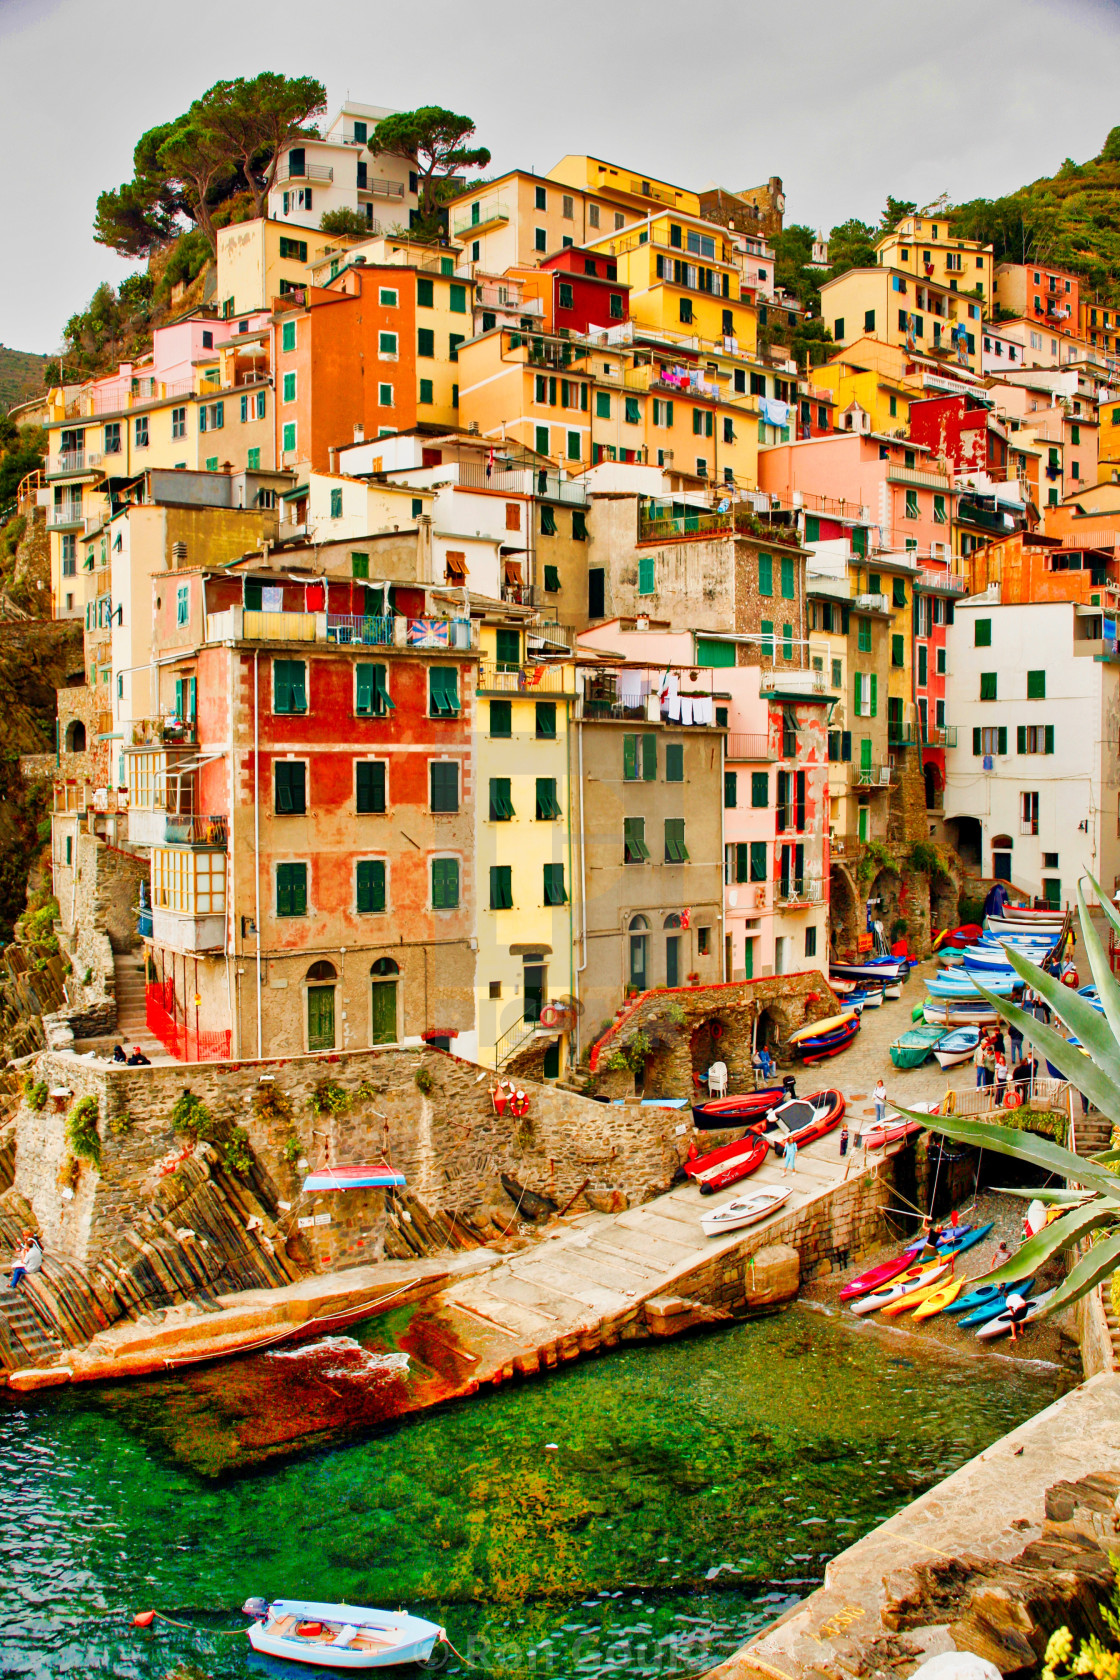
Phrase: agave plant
pixel 1091 1066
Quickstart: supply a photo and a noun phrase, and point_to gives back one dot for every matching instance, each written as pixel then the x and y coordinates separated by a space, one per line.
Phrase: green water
pixel 697 1489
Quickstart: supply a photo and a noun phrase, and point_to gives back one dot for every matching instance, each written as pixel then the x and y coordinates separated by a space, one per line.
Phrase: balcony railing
pixel 65 518
pixel 750 749
pixel 796 682
pixel 144 924
pixel 72 461
pixel 525 679
pixel 489 215
pixel 941 580
pixel 943 736
pixel 347 628
pixel 793 893
pixel 698 524
pixel 209 832
pixel 871 775
pixel 919 480
pixel 380 187
pixel 901 735
pixel 309 172
pixel 237 624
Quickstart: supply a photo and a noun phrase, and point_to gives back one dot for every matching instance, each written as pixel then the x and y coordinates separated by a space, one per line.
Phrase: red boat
pixel 806 1119
pixel 715 1171
pixel 957 938
pixel 736 1111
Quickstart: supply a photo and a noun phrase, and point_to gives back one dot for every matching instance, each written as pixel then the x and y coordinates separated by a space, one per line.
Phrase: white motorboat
pixel 958 1046
pixel 743 1210
pixel 346 1636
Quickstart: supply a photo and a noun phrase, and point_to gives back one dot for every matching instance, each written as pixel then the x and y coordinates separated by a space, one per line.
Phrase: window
pixel 766 574
pixel 427 391
pixel 579 527
pixel 547 804
pixel 1034 738
pixel 593 215
pixel 863 635
pixel 140 431
pixel 1028 813
pixel 574 446
pixel 633 415
pixel 501 719
pixel 989 742
pixel 425 341
pixel 453 342
pixel 290 788
pixel 982 633
pixel 552 580
pixel 869 320
pixel 554 892
pixel 289 438
pixel 639 758
pixel 546 720
pixel 371 693
pixel 540 240
pixel 942 662
pixel 289 686
pixel 898 651
pixel 457 300
pixel 838 329
pixel 369 786
pixel 675 849
pixel 293 250
pixel 647 584
pixel 444 780
pixel 291 889
pixel 634 840
pixel 674 761
pixel 810 941
pixel 501 805
pixel 567 295
pixel 182 603
pixel 730 789
pixel 787 578
pixel 766 646
pixel 603 405
pixel 289 388
pixel 837 673
pixel 387 297
pixel 911 504
pixel 445 883
pixel 443 691
pixel 501 887
pixel 988 685
pixel 1036 685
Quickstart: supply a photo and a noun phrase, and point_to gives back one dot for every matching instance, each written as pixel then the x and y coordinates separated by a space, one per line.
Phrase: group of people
pixel 137 1058
pixel 1003 1062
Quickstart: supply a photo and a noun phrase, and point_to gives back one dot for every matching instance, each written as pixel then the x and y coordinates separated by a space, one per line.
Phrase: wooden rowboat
pixel 343 1636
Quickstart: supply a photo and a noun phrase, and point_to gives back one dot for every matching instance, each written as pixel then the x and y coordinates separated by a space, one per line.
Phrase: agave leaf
pixel 1049 1197
pixel 1077 1013
pixel 1111 914
pixel 1101 1260
pixel 1024 1146
pixel 1102 1089
pixel 1107 988
pixel 1107 1158
pixel 1058 1235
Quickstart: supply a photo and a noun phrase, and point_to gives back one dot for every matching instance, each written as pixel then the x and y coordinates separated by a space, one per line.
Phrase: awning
pixel 456 565
pixel 512 570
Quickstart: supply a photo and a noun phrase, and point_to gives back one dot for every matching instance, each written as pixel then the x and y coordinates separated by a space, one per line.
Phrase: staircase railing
pixel 511 1041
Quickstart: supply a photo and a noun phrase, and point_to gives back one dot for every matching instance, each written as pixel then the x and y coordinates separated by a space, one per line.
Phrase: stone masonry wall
pixel 449 1142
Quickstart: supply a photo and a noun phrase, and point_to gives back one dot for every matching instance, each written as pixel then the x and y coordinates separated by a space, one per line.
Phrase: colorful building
pixel 905 310
pixel 925 246
pixel 341 171
pixel 1042 296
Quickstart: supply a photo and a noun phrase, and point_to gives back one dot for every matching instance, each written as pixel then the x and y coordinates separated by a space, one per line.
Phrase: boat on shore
pixel 954 1012
pixel 739 1110
pixel 727 1165
pixel 915 1046
pixel 915 1278
pixel 343 1636
pixel 1001 1326
pixel 804 1119
pixel 888 970
pixel 819 1039
pixel 957 1046
pixel 742 1211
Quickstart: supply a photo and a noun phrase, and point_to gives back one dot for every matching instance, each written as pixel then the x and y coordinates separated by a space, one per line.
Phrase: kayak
pixel 967 1236
pixel 743 1210
pixel 915 1277
pixel 915 1296
pixel 721 1167
pixel 736 1111
pixel 884 1272
pixel 1001 1326
pixel 996 1303
pixel 942 1297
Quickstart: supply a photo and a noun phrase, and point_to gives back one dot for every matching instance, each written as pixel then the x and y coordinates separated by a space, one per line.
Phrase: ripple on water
pixel 659 1535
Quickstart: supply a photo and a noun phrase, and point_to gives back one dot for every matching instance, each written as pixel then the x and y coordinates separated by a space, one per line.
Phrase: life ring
pixel 1012 1099
pixel 550 1015
pixel 716 1029
pixel 519 1104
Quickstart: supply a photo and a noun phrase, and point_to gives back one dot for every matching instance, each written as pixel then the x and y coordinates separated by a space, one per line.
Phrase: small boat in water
pixel 957 1046
pixel 345 1636
pixel 743 1210
pixel 721 1167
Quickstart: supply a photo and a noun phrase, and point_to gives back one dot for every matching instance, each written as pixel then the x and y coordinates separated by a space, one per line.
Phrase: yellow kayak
pixel 943 1296
pixel 915 1297
pixel 815 1028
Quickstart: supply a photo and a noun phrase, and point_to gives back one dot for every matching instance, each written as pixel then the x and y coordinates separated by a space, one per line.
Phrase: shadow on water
pixel 638 1514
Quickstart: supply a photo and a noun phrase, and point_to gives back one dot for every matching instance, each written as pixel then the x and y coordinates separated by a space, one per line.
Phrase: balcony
pixel 239 624
pixel 144 924
pixel 795 682
pixel 943 736
pixel 795 895
pixel 73 464
pixel 177 932
pixel 920 480
pixel 309 172
pixel 350 630
pixel 163 732
pixel 901 735
pixel 525 679
pixel 945 581
pixel 490 215
pixel 690 524
pixel 209 832
pixel 379 187
pixel 871 776
pixel 872 603
pixel 68 517
pixel 750 749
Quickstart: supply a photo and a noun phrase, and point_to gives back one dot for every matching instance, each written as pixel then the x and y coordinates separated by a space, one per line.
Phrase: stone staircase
pixel 29 1341
pixel 1092 1133
pixel 132 1022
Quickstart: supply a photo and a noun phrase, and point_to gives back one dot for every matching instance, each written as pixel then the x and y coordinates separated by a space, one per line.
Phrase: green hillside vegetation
pixel 21 376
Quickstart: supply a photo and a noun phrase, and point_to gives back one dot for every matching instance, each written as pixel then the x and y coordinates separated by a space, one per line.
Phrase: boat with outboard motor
pixel 740 1110
pixel 343 1636
pixel 804 1119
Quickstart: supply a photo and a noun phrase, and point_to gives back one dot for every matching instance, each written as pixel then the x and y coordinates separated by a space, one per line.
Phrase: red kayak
pixel 728 1165
pixel 956 939
pixel 736 1111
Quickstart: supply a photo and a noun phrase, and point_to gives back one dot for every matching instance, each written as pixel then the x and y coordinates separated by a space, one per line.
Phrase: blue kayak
pixel 967 1237
pixel 996 1302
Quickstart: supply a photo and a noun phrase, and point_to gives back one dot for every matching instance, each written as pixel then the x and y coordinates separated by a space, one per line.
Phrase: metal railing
pixel 309 172
pixel 64 518
pixel 212 832
pixel 943 735
pixel 901 735
pixel 798 892
pixel 525 679
pixel 236 624
pixel 794 682
pixel 871 775
pixel 512 1040
pixel 144 924
pixel 750 749
pixel 696 524
pixel 487 214
pixel 350 628
pixel 72 461
pixel 381 187
pixel 919 480
pixel 941 580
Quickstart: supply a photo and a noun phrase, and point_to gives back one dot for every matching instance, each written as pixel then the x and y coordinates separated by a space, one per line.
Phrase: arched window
pixel 638 923
pixel 673 921
pixel 322 971
pixel 75 736
pixel 1002 843
pixel 383 966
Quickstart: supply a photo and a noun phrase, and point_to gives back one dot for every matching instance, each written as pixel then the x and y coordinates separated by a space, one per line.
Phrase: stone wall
pixel 1094 1336
pixel 449 1142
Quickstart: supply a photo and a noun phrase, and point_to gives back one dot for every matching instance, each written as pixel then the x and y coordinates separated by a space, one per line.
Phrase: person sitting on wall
pixel 138 1058
pixel 118 1053
pixel 29 1258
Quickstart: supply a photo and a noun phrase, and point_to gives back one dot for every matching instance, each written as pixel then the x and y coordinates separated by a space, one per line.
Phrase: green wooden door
pixel 384 1012
pixel 1052 892
pixel 320 1017
pixel 864 824
pixel 865 754
pixel 748 959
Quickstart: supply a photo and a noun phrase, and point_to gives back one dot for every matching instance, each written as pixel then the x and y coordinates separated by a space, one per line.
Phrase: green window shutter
pixel 781 811
pixel 1036 685
pixel 546 720
pixel 602 405
pixel 646 579
pixel 767 638
pixel 369 785
pixel 760 789
pixel 766 574
pixel 291 787
pixel 501 887
pixel 291 889
pixel 674 761
pixel 1001 741
pixel 548 521
pixel 982 632
pixel 444 785
pixel 863 635
pixel 714 655
pixel 458 300
pixel 864 754
pixel 501 719
pixel 443 691
pixel 445 883
pixel 787 641
pixel 923 665
pixel 977 745
pixel 1049 738
pixel 554 892
pixel 548 806
pixel 812 528
pixel 281 686
pixel 552 579
pixel 633 412
pixel 425 293
pixel 899 592
pixel 507 647
pixel 730 789
pixel 630 758
pixel 541 444
pixel 898 653
pixel 427 391
pixel 1021 738
pixel 336 504
pixel 371 885
pixel 425 342
pixel 501 804
pixel 575 446
pixel 675 849
pixel 253 597
pixel 634 834
pixel 874 712
pixel 359 564
pixel 649 758
pixel 987 685
pixel 787 577
pixel 758 861
pixel 453 342
pixel 364 701
pixel 845 746
pixel 697 422
pixel 579 525
pixel 383 703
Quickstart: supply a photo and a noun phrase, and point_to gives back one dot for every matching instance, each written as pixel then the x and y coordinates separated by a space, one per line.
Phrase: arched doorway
pixel 935 784
pixel 969 840
pixel 766 1030
pixel 75 740
pixel 884 901
pixel 384 975
pixel 845 923
pixel 707 1044
pixel 639 954
pixel 672 950
pixel 319 984
pixel 1001 856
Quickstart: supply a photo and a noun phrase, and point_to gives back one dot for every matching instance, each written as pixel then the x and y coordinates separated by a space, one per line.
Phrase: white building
pixel 1032 788
pixel 339 172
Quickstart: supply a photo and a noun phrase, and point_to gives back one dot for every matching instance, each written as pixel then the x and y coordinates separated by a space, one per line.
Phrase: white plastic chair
pixel 717 1079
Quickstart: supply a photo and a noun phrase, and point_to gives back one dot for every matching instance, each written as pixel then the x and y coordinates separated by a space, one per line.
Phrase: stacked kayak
pixel 989 1301
pixel 912 1282
pixel 819 1039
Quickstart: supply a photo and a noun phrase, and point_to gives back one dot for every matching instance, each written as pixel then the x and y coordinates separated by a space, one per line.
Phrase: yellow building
pixel 1108 439
pixel 684 277
pixel 262 260
pixel 869 376
pixel 926 248
pixel 523 847
pixel 915 313
pixel 584 403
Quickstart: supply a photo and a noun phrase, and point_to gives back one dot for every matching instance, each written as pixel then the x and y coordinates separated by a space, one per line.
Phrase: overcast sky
pixel 846 100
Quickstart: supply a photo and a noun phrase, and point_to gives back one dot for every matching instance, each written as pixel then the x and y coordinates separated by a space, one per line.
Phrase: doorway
pixel 535 988
pixel 672 951
pixel 550 1067
pixel 320 1006
pixel 639 953
pixel 383 1001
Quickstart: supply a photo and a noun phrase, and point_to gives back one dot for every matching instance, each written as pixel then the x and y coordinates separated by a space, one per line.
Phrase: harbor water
pixel 640 1514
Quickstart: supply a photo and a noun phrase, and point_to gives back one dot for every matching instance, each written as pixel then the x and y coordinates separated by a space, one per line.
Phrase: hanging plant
pixel 329 1097
pixel 35 1093
pixel 82 1136
pixel 272 1105
pixel 423 1081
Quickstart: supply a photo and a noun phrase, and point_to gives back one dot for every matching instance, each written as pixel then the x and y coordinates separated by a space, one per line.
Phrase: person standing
pixel 999 1072
pixel 978 1056
pixel 1015 1035
pixel 880 1099
pixel 1017 1310
pixel 789 1156
pixel 843 1140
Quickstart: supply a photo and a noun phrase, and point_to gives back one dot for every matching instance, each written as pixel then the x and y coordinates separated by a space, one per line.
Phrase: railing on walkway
pixel 1044 1096
pixel 512 1040
pixel 179 1039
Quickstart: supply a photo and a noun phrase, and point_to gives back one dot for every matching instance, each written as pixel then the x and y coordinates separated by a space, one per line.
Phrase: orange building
pixel 1071 565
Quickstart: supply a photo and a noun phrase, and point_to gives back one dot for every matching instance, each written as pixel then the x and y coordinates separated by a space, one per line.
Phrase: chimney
pixel 332 457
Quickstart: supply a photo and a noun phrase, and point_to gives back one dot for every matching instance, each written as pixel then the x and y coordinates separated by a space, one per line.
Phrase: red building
pixel 963 430
pixel 935 590
pixel 586 291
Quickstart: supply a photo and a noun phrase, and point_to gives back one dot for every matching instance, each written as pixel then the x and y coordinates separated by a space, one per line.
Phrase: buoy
pixel 716 1029
pixel 143 1618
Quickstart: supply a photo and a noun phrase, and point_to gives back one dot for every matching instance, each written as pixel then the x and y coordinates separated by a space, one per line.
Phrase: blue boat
pixel 354 1176
pixel 967 1237
pixel 885 970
